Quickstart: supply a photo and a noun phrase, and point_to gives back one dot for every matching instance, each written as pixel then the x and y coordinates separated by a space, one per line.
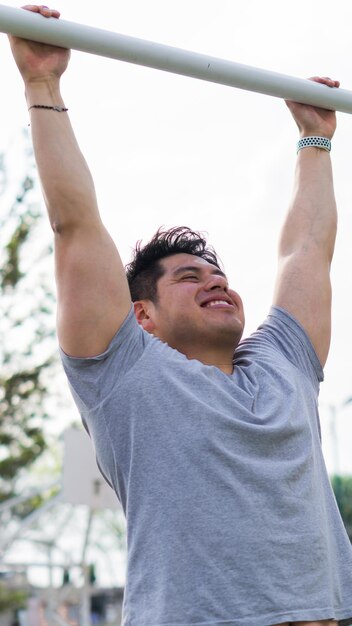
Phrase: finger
pixel 31 7
pixel 326 80
pixel 42 9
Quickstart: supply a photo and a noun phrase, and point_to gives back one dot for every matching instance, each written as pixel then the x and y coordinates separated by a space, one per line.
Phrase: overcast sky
pixel 171 150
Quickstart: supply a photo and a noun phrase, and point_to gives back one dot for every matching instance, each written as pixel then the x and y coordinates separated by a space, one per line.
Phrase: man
pixel 211 444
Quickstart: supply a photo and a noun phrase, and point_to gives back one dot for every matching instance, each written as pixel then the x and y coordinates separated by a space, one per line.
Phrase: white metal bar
pixel 42 564
pixel 12 502
pixel 6 542
pixel 158 56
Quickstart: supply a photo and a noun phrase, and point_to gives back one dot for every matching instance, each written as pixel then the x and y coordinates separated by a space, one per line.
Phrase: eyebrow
pixel 197 270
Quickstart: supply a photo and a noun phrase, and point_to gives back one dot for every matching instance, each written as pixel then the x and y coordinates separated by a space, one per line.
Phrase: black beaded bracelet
pixel 58 108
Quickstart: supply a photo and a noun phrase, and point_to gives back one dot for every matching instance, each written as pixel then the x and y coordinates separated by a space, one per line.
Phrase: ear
pixel 144 312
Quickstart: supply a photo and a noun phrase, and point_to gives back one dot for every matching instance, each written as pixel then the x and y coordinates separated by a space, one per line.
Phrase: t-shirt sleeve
pixel 286 335
pixel 91 379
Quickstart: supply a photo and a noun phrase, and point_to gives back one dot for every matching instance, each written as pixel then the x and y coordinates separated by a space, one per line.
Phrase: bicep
pixel 303 289
pixel 93 293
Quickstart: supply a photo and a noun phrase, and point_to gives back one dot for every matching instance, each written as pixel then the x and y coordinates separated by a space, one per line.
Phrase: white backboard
pixel 82 480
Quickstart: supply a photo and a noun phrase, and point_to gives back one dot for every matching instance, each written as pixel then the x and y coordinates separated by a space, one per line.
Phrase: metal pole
pixel 51 604
pixel 158 56
pixel 85 597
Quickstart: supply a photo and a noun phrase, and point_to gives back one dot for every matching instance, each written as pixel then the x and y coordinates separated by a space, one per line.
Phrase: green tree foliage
pixel 11 599
pixel 342 486
pixel 26 328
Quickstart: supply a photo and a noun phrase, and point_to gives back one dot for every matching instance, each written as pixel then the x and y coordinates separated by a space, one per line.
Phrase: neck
pixel 223 359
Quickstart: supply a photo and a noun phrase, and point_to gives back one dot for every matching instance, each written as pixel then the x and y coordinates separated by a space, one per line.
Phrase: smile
pixel 215 303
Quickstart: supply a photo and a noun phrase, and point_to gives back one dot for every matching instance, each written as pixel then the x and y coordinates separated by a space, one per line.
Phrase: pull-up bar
pixel 105 43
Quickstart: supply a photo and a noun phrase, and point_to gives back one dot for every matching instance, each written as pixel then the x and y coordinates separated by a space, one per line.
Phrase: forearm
pixel 67 184
pixel 310 225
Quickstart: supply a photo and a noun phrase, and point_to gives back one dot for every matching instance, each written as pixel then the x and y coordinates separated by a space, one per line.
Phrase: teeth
pixel 215 302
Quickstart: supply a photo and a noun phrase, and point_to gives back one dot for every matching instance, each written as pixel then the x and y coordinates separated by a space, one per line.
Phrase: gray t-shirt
pixel 230 514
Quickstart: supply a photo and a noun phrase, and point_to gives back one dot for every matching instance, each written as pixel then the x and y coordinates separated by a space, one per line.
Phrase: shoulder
pixel 104 369
pixel 130 346
pixel 281 336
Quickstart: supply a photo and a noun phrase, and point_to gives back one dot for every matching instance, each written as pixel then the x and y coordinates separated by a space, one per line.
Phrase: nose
pixel 216 281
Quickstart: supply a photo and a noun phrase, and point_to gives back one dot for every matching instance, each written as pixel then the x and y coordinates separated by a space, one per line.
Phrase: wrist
pixel 45 91
pixel 316 133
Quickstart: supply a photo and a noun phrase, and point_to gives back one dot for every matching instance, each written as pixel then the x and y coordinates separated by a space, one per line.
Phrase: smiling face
pixel 195 309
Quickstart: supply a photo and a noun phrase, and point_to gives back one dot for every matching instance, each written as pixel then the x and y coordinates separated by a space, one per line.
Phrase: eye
pixel 189 277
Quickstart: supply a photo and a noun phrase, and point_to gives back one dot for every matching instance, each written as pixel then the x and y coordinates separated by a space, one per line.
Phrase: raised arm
pixel 308 235
pixel 93 294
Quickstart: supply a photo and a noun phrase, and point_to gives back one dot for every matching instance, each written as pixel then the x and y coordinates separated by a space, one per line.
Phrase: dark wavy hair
pixel 145 269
